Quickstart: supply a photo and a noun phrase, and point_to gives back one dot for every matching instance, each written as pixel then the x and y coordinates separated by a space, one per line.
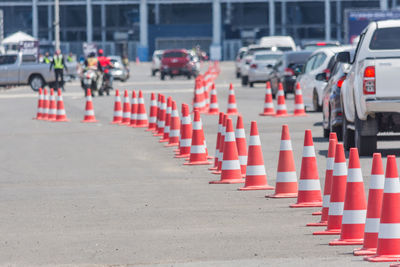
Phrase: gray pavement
pixel 78 194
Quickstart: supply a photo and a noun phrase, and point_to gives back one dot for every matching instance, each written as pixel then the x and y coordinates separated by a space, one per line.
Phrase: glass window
pixel 309 64
pixel 267 57
pixel 319 61
pixel 8 59
pixel 28 58
pixel 385 39
pixel 174 54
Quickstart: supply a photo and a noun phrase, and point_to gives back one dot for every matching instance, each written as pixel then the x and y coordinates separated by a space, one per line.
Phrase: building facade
pixel 138 27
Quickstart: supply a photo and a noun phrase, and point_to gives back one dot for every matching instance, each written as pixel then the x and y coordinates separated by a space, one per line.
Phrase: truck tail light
pixel 369 81
pixel 253 66
pixel 340 82
pixel 288 72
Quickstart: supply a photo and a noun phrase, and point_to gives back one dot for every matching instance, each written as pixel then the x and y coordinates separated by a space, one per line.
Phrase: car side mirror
pixel 297 71
pixel 343 57
pixel 321 77
pixel 270 66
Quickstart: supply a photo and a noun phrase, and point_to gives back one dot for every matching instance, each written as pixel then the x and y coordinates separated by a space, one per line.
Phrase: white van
pixel 283 43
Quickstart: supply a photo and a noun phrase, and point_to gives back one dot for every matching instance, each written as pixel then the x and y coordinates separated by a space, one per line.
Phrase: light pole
pixel 57 23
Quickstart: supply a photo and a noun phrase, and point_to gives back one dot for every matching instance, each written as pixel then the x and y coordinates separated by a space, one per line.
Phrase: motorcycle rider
pixel 105 64
pixel 92 63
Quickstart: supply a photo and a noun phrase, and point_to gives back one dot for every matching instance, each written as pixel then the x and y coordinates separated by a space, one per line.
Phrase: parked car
pixel 322 60
pixel 282 43
pixel 246 59
pixel 371 97
pixel 156 62
pixel 176 62
pixel 332 113
pixel 239 57
pixel 261 65
pixel 118 71
pixel 312 46
pixel 286 70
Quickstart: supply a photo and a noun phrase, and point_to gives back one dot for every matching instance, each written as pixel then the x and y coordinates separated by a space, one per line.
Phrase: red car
pixel 176 62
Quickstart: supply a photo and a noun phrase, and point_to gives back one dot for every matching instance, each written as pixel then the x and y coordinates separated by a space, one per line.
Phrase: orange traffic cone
pixel 141 116
pixel 286 178
pixel 221 116
pixel 309 194
pixel 185 139
pixel 46 105
pixel 355 206
pixel 89 111
pixel 221 145
pixel 241 145
pixel 134 109
pixel 174 127
pixel 268 103
pixel 232 107
pixel 281 110
pixel 137 61
pixel 388 248
pixel 198 149
pixel 256 177
pixel 328 184
pixel 126 115
pixel 298 102
pixel 39 106
pixel 199 102
pixel 53 106
pixel 161 117
pixel 159 96
pixel 214 109
pixel 374 208
pixel 206 97
pixel 117 109
pixel 61 115
pixel 165 137
pixel 153 113
pixel 338 190
pixel 230 170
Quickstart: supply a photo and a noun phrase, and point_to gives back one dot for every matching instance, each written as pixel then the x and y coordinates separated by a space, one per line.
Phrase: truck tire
pixel 36 81
pixel 245 80
pixel 347 134
pixel 366 144
pixel 316 106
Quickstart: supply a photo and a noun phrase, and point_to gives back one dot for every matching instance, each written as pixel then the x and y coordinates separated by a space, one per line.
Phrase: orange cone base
pixel 141 126
pixel 62 120
pixel 213 113
pixel 318 224
pixel 383 258
pixel 346 242
pixel 328 232
pixel 173 144
pixel 182 156
pixel 317 213
pixel 150 130
pixel 282 195
pixel 91 120
pixel 306 205
pixel 124 123
pixel 115 122
pixel 257 187
pixel 163 140
pixel 228 181
pixel 281 115
pixel 216 172
pixel 364 252
pixel 299 115
pixel 213 168
pixel 232 113
pixel 210 157
pixel 268 114
pixel 198 163
pixel 158 134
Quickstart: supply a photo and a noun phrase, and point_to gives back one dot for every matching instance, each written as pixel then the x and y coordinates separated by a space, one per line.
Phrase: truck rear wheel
pixel 366 144
pixel 36 81
pixel 347 134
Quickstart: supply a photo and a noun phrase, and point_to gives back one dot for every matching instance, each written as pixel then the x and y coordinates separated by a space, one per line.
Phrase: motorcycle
pixel 91 79
pixel 106 84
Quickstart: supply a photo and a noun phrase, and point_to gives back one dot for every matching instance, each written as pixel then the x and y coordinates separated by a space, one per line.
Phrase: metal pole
pixel 57 23
pixel 89 21
pixel 339 20
pixel 103 24
pixel 384 4
pixel 283 17
pixel 143 23
pixel 49 23
pixel 327 20
pixel 35 24
pixel 216 9
pixel 271 17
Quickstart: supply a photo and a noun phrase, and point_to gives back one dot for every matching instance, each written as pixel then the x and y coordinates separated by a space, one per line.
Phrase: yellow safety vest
pixel 46 60
pixel 92 62
pixel 58 62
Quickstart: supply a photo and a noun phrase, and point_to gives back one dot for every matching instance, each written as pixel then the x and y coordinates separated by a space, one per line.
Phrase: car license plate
pixel 174 72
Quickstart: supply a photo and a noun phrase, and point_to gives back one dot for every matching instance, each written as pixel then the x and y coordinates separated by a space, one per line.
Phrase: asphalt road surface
pixel 101 194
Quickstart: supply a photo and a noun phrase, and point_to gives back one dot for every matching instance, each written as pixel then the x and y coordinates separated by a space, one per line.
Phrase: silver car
pixel 156 62
pixel 119 72
pixel 261 66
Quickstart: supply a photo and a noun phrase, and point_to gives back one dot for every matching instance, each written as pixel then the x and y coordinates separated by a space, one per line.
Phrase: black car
pixel 332 113
pixel 286 71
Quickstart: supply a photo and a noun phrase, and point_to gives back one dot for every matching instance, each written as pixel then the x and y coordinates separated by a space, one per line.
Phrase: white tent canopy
pixel 17 37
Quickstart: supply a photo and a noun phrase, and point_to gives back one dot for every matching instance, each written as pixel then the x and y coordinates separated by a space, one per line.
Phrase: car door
pixel 10 67
pixel 3 70
pixel 318 68
pixel 304 81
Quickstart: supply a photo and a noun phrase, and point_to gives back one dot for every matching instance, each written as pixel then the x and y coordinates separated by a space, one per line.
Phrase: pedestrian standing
pixel 58 64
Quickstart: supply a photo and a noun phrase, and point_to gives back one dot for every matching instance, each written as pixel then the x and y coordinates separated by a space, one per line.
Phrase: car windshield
pixel 174 54
pixel 267 57
pixel 386 39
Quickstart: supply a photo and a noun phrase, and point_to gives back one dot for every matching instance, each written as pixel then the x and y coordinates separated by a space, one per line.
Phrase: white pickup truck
pixel 370 96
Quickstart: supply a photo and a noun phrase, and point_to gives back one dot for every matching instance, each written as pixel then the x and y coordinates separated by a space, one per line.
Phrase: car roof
pixel 158 52
pixel 388 23
pixel 330 49
pixel 268 53
pixel 301 52
pixel 175 50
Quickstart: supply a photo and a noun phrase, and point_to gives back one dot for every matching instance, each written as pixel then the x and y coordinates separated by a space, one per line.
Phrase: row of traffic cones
pixel 49 108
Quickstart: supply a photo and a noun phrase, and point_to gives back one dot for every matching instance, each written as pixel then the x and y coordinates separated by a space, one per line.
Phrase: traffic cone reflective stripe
pixel 375 196
pixel 215 167
pixel 61 115
pixel 281 110
pixel 232 107
pixel 161 117
pixel 89 111
pixel 286 178
pixel 388 248
pixel 338 190
pixel 330 159
pixel 241 145
pixel 355 206
pixel 185 138
pixel 134 109
pixel 117 109
pixel 298 102
pixel 153 113
pixel 175 127
pixel 126 115
pixel 198 149
pixel 268 103
pixel 256 177
pixel 199 101
pixel 53 106
pixel 214 109
pixel 221 145
pixel 141 115
pixel 46 105
pixel 39 106
pixel 309 193
pixel 230 169
pixel 165 137
pixel 158 113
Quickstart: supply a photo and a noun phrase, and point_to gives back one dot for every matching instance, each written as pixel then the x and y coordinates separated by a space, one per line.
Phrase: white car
pixel 282 43
pixel 156 62
pixel 261 66
pixel 239 57
pixel 246 59
pixel 321 61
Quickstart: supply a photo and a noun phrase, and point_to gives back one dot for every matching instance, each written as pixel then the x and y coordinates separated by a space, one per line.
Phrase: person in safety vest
pixel 70 57
pixel 58 64
pixel 92 62
pixel 46 58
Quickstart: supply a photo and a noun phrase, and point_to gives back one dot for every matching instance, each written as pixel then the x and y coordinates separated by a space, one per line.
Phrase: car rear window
pixel 8 59
pixel 174 54
pixel 385 39
pixel 267 57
